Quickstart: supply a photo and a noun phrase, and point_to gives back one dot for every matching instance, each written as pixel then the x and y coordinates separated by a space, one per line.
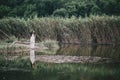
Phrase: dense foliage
pixel 93 29
pixel 65 8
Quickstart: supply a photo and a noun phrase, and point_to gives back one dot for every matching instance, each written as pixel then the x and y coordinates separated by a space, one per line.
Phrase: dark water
pixel 18 66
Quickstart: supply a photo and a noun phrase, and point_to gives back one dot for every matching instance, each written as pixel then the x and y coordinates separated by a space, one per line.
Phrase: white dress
pixel 32 47
pixel 32 41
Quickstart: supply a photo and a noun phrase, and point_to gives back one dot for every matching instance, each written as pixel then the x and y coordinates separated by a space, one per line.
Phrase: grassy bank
pixel 93 29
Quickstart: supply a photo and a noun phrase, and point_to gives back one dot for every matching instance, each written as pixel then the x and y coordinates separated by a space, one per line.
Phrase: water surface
pixel 18 66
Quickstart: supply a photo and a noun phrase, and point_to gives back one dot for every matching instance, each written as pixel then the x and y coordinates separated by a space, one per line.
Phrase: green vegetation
pixel 76 71
pixel 64 21
pixel 19 63
pixel 93 29
pixel 71 71
pixel 61 20
pixel 65 8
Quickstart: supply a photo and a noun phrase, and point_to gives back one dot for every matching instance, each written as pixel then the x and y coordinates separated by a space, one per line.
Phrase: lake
pixel 69 62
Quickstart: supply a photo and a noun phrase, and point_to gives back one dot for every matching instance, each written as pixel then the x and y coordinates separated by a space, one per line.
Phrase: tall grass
pixel 93 29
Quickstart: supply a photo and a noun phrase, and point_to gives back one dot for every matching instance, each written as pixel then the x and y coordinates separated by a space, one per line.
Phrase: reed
pixel 94 29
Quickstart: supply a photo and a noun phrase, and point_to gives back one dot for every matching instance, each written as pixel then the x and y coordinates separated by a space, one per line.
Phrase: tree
pixel 27 8
pixel 71 8
pixel 4 10
pixel 30 11
pixel 96 10
pixel 62 12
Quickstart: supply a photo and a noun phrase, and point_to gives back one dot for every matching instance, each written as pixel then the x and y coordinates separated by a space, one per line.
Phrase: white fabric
pixel 32 56
pixel 32 41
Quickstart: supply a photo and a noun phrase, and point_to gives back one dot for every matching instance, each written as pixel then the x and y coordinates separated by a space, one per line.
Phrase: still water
pixel 27 66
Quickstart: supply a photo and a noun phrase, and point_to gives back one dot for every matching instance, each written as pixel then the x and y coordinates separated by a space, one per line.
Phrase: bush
pixel 60 12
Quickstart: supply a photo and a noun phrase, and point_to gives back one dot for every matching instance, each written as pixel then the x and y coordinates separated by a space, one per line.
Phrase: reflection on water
pixel 17 66
pixel 32 56
pixel 66 53
pixel 44 71
pixel 108 51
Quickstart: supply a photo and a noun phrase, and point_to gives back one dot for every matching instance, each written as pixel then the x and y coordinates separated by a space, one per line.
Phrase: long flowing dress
pixel 32 47
pixel 32 41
